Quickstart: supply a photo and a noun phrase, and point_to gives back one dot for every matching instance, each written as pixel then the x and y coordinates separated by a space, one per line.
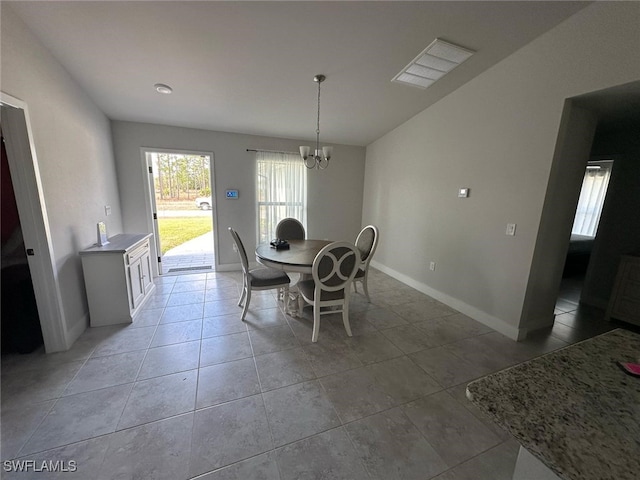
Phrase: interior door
pixel 21 330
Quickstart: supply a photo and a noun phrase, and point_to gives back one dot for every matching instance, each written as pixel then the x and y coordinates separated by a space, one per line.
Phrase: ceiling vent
pixel 433 63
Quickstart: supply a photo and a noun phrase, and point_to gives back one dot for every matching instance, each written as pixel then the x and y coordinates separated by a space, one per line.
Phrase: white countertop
pixel 120 243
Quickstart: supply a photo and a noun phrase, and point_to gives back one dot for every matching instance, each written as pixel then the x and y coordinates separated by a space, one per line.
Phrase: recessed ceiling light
pixel 162 88
pixel 433 63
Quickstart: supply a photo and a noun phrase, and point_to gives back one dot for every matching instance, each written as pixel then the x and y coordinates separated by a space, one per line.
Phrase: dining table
pixel 298 258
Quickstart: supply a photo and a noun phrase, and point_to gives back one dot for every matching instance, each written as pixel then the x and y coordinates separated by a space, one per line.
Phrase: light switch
pixel 511 229
pixel 107 210
pixel 463 192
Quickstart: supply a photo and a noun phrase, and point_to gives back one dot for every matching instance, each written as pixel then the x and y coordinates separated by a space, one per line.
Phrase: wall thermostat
pixel 232 194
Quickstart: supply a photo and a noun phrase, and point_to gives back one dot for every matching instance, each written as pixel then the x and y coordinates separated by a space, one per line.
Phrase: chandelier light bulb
pixel 162 88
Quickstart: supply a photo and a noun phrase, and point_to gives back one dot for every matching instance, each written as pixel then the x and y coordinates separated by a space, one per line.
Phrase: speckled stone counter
pixel 574 409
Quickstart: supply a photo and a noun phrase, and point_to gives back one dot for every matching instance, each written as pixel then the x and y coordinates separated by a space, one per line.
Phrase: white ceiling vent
pixel 434 62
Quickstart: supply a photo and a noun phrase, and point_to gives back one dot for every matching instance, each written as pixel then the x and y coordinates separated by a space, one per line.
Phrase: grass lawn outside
pixel 172 204
pixel 175 231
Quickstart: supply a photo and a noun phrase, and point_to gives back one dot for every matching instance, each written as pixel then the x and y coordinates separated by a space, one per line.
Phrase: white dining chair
pixel 366 242
pixel 258 278
pixel 290 229
pixel 333 270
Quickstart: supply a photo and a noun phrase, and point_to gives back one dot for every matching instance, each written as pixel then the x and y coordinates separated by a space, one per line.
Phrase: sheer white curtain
pixel 281 190
pixel 592 195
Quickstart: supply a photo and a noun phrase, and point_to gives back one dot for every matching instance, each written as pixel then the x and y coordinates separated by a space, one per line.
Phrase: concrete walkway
pixel 195 254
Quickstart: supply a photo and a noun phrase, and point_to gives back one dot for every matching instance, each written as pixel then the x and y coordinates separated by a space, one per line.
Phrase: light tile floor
pixel 188 390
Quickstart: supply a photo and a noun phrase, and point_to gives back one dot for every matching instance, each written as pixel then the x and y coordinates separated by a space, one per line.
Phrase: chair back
pixel 290 229
pixel 335 266
pixel 367 242
pixel 241 251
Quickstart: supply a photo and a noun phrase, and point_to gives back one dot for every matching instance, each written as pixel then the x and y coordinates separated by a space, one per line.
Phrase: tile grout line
pixel 318 379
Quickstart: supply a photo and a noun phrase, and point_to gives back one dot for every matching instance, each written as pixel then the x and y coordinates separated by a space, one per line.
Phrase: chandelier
pixel 320 158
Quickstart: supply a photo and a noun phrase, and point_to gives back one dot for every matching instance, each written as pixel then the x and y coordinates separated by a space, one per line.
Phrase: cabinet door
pixel 136 282
pixel 147 279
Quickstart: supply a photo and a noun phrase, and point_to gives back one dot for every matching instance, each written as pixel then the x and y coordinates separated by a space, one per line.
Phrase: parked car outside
pixel 203 203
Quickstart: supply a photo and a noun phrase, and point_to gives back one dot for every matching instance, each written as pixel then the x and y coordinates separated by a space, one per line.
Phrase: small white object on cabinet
pixel 118 278
pixel 102 234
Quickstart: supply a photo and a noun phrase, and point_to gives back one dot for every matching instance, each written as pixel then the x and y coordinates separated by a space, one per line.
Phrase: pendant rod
pixel 318 123
pixel 272 151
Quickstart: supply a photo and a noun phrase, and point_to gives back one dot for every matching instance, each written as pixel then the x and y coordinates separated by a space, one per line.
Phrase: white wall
pixel 496 135
pixel 334 195
pixel 73 145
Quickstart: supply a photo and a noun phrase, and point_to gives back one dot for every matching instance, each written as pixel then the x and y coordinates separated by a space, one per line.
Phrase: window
pixel 281 186
pixel 592 195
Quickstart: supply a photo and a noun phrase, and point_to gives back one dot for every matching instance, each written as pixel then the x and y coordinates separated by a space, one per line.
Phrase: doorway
pixel 605 216
pixel 182 204
pixel 583 232
pixel 25 176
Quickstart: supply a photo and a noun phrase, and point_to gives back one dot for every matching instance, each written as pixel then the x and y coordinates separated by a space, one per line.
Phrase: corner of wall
pixel 573 146
pixel 73 333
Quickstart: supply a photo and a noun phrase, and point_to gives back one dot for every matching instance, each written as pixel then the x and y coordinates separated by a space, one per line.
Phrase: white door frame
pixel 154 213
pixel 150 200
pixel 25 175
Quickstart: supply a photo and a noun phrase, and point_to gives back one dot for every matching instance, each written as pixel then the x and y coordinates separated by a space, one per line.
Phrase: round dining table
pixel 297 258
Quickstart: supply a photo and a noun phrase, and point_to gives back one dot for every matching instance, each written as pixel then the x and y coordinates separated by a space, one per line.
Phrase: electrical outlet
pixel 511 229
pixel 432 266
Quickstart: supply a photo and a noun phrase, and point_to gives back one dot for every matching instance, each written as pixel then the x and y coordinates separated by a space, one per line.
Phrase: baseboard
pixel 600 303
pixel 78 329
pixel 540 324
pixel 231 267
pixel 489 320
pixel 236 267
pixel 228 267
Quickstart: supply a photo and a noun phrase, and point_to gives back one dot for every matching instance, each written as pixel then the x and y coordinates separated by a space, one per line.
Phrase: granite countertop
pixel 120 243
pixel 573 409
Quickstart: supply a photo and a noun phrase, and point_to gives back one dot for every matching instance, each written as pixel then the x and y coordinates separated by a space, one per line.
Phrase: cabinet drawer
pixel 627 310
pixel 138 252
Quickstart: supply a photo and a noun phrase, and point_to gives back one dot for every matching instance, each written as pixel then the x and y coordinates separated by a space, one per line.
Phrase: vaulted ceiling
pixel 248 66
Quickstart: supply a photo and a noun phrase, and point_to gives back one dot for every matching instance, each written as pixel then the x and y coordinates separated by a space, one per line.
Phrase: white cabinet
pixel 117 278
pixel 139 273
pixel 624 303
